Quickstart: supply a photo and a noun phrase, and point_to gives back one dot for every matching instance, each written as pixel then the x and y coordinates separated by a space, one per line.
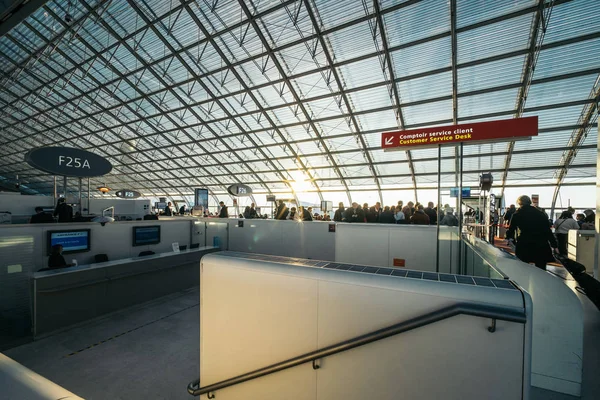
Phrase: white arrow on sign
pixel 389 141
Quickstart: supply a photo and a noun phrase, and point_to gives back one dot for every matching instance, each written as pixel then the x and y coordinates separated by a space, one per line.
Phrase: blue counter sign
pixel 128 194
pixel 67 161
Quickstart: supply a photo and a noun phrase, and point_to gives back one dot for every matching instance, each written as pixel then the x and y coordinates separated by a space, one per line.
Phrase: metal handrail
pixel 477 310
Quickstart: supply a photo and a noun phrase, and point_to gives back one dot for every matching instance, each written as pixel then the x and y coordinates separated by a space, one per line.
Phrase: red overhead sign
pixel 508 129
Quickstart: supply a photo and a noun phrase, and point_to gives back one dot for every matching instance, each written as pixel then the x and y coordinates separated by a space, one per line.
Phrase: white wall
pixel 380 244
pixel 290 238
pixel 114 239
pixel 23 206
pixel 254 314
pixel 557 322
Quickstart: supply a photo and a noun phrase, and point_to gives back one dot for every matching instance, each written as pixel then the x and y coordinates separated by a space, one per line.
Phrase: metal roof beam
pixel 539 25
pixel 588 116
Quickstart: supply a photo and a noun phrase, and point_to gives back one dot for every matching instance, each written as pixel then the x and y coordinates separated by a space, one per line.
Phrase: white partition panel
pixel 257 310
pixel 557 321
pixel 408 246
pixel 288 238
pixel 114 239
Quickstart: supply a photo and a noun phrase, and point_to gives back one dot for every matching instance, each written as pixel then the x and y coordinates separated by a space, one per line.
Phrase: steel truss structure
pixel 179 94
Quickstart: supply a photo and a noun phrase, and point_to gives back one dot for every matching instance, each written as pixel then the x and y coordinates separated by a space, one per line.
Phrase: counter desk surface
pixel 105 264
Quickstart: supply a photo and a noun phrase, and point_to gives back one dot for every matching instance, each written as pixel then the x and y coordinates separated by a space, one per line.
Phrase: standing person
pixel 40 217
pixel 282 211
pixel 399 215
pixel 246 213
pixel 449 219
pixel 253 213
pixel 533 243
pixel 223 210
pixel 292 214
pixel 561 229
pixel 408 210
pixel 580 219
pixel 509 213
pixel 589 222
pixel 305 214
pixel 374 214
pixel 63 211
pixel 355 213
pixel 168 210
pixel 431 213
pixel 182 210
pixel 339 213
pixel 419 217
pixel 387 216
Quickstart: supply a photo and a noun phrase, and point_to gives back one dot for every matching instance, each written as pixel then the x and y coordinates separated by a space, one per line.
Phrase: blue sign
pixel 466 192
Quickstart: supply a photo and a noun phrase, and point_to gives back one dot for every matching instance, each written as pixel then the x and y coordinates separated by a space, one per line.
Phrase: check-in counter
pixel 67 296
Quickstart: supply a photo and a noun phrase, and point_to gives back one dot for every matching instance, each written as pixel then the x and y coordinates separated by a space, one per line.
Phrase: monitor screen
pixel 160 206
pixel 144 235
pixel 201 198
pixel 75 241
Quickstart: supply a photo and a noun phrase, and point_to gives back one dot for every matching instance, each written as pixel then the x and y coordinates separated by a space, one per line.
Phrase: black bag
pixel 590 286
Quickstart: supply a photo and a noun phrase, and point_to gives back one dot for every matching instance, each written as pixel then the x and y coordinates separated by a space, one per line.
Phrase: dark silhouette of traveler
pixel 419 217
pixel 509 213
pixel 168 210
pixel 247 213
pixel 589 223
pixel 535 238
pixel 431 213
pixel 182 210
pixel 339 213
pixel 387 216
pixel 223 211
pixel 253 213
pixel 41 217
pixel 355 213
pixel 306 216
pixel 282 211
pixel 449 219
pixel 561 229
pixel 292 215
pixel 63 211
pixel 56 260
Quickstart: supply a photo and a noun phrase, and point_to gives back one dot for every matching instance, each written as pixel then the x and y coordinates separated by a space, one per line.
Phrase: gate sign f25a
pixel 496 131
pixel 67 161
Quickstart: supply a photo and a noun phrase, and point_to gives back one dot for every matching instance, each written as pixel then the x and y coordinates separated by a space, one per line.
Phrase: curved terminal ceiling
pixel 290 97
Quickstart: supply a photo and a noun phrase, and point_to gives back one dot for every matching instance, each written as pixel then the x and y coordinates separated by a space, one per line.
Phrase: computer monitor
pixel 160 205
pixel 72 241
pixel 145 235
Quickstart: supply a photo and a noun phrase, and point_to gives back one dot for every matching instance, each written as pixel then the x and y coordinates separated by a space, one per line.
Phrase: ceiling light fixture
pixel 103 189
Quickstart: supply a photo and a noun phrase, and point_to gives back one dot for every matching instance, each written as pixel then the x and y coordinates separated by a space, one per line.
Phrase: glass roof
pixel 291 97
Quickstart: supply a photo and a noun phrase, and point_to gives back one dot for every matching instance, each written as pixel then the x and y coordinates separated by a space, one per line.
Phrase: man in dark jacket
pixel 282 211
pixel 419 217
pixel 339 213
pixel 374 213
pixel 223 211
pixel 387 216
pixel 63 211
pixel 41 217
pixel 306 216
pixel 355 213
pixel 431 213
pixel 534 241
pixel 509 213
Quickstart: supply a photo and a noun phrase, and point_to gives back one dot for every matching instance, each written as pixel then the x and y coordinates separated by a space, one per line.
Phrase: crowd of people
pixel 411 213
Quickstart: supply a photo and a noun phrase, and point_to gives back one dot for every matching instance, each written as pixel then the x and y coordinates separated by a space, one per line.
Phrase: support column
pixel 80 197
pixel 597 246
pixel 55 193
pixel 65 187
pixel 88 198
